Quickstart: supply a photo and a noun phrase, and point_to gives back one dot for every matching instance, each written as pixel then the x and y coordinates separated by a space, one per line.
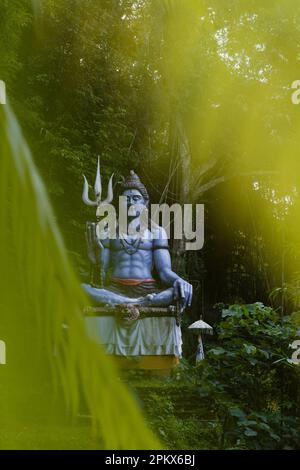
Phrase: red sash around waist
pixel 130 282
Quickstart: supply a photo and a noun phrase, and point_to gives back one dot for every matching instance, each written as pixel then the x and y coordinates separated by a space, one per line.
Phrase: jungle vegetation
pixel 195 96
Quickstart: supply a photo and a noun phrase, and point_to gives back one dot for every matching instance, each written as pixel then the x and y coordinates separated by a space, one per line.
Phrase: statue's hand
pixel 94 245
pixel 183 291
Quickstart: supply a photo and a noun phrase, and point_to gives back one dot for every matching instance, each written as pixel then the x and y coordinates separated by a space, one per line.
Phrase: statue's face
pixel 134 197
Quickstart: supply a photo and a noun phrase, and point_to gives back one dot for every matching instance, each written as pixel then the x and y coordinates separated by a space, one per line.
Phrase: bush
pixel 250 378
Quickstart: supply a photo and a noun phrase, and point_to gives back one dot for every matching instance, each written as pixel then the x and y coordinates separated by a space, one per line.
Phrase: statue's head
pixel 131 187
pixel 134 190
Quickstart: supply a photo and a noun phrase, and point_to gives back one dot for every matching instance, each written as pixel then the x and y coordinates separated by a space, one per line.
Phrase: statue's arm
pixel 98 253
pixel 162 261
pixel 104 259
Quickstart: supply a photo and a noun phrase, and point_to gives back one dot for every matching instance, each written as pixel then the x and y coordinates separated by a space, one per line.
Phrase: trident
pixel 91 227
pixel 97 190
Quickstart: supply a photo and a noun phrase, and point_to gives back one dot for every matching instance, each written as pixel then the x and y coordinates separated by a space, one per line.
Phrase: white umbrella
pixel 200 327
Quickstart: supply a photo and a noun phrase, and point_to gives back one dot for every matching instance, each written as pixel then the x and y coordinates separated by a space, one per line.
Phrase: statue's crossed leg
pixel 107 297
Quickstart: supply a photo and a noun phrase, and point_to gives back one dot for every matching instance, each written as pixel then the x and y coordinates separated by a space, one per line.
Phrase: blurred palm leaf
pixel 41 312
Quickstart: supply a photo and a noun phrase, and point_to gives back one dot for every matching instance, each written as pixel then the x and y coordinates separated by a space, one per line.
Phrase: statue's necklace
pixel 130 247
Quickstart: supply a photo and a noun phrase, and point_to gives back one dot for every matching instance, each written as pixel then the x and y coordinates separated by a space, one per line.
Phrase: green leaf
pixel 237 412
pixel 250 349
pixel 250 432
pixel 217 351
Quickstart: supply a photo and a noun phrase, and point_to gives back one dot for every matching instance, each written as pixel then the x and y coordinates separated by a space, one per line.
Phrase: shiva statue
pixel 124 266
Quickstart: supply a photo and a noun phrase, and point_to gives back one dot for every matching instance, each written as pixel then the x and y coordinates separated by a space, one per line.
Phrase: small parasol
pixel 200 327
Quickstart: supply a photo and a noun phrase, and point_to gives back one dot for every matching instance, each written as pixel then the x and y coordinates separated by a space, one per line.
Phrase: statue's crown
pixel 132 181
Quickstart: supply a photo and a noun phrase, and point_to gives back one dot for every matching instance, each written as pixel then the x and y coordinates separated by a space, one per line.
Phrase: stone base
pixel 151 341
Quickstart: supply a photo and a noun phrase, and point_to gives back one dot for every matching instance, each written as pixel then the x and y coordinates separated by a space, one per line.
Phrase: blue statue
pixel 132 258
pixel 123 285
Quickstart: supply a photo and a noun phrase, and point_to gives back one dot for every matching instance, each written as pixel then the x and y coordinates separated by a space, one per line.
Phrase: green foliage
pixel 251 379
pixel 174 411
pixel 181 430
pixel 14 19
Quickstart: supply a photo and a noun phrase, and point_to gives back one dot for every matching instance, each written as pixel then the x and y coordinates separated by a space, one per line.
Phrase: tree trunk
pixel 183 190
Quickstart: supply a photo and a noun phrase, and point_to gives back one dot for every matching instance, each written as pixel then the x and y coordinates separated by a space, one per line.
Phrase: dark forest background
pixel 196 99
